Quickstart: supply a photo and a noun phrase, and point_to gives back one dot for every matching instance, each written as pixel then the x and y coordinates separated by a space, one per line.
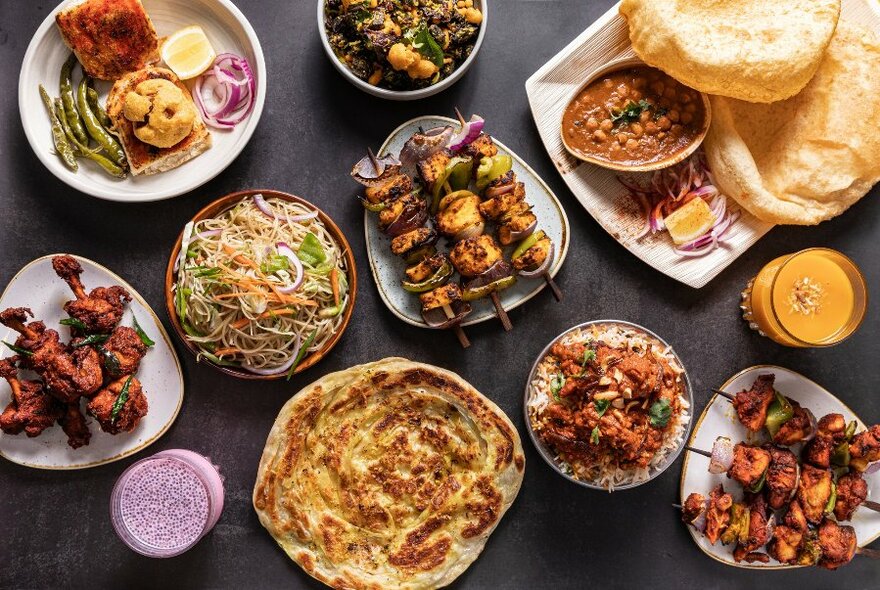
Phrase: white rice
pixel 608 474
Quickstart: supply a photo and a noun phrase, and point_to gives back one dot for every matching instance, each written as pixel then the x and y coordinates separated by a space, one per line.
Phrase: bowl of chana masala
pixel 631 117
pixel 402 49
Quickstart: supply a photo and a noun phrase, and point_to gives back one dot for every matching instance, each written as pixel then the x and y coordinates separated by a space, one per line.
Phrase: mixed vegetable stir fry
pixel 402 44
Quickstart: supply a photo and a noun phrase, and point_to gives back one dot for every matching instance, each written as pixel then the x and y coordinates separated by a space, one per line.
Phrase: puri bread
pixel 387 475
pixel 809 158
pixel 755 50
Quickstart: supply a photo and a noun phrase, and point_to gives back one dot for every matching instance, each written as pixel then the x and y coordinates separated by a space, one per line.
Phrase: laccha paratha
pixel 387 475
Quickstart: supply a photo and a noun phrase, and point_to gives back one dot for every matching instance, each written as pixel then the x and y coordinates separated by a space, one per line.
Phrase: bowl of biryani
pixel 402 50
pixel 608 405
pixel 260 284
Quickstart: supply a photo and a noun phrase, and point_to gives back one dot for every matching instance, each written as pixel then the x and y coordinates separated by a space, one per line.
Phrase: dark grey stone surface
pixel 54 526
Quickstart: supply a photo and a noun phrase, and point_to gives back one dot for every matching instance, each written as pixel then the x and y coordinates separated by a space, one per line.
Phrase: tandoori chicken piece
pixel 101 309
pixel 838 544
pixel 852 490
pixel 758 533
pixel 73 423
pixel 786 544
pixel 831 429
pixel 795 517
pixel 459 215
pixel 751 404
pixel 740 554
pixel 797 428
pixel 133 405
pixel 814 490
pixel 718 513
pixel 693 508
pixel 127 348
pixel 782 476
pixel 749 465
pixel 865 448
pixel 474 256
pixel 396 187
pixel 66 375
pixel 31 410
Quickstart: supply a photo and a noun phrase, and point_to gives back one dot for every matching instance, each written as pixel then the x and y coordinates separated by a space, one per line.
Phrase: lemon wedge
pixel 188 52
pixel 689 222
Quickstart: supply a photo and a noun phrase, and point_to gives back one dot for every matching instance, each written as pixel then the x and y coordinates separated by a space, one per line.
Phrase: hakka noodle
pixel 755 50
pixel 809 158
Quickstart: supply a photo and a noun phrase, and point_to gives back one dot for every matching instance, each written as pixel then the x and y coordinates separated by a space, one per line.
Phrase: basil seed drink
pixel 163 505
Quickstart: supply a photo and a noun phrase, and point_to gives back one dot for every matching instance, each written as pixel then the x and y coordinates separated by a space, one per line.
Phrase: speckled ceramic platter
pixel 719 419
pixel 228 31
pixel 38 287
pixel 388 269
pixel 551 88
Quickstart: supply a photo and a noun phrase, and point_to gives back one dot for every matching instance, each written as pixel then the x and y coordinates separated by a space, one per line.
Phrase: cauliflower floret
pixel 163 115
pixel 406 58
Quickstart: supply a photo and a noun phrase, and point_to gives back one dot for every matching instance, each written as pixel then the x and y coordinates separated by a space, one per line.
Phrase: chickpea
pixel 615 148
pixel 685 97
pixel 664 103
pixel 673 115
pixel 645 116
pixel 606 125
pixel 607 83
pixel 632 145
pixel 637 130
pixel 658 87
pixel 636 95
pixel 622 138
pixel 686 118
pixel 592 124
pixel 690 108
pixel 622 91
pixel 651 128
pixel 599 136
pixel 661 135
pixel 670 93
pixel 676 130
pixel 640 83
pixel 664 123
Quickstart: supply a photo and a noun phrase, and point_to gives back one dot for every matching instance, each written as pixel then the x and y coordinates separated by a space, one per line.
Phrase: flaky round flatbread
pixel 755 50
pixel 387 475
pixel 809 158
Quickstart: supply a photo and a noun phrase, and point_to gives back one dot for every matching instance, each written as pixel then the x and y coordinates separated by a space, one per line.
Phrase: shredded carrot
pixel 334 282
pixel 240 258
pixel 226 351
pixel 266 314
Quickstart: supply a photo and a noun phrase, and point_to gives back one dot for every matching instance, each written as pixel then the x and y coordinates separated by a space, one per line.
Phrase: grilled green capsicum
pixel 779 412
pixel 527 243
pixel 438 278
pixel 491 168
pixel 457 171
pixel 473 293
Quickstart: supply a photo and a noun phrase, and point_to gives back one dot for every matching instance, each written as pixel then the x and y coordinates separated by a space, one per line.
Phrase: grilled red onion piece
pixel 722 455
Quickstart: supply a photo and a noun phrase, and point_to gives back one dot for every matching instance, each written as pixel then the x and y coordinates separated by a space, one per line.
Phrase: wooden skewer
pixel 724 394
pixel 554 288
pixel 459 332
pixel 868 552
pixel 460 117
pixel 698 451
pixel 373 159
pixel 499 310
pixel 677 506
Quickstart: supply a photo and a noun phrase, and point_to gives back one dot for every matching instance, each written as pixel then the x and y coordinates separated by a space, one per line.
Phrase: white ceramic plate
pixel 403 94
pixel 388 269
pixel 226 28
pixel 38 287
pixel 719 419
pixel 551 88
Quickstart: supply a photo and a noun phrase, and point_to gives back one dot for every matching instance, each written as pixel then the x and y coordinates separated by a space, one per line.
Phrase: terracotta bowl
pixel 224 203
pixel 671 160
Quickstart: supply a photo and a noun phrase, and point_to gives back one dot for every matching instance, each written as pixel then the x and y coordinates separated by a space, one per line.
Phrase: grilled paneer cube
pixel 534 256
pixel 513 229
pixel 498 206
pixel 459 215
pixel 427 268
pixel 396 187
pixel 406 243
pixel 481 147
pixel 445 295
pixel 814 490
pixel 432 169
pixel 474 256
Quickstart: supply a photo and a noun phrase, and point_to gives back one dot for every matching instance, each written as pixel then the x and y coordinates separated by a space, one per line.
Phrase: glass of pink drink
pixel 163 505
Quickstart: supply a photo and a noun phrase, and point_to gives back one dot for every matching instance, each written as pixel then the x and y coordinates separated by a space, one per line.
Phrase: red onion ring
pixel 208 234
pixel 276 370
pixel 232 84
pixel 266 210
pixel 497 191
pixel 469 132
pixel 538 272
pixel 516 236
pixel 470 232
pixel 285 251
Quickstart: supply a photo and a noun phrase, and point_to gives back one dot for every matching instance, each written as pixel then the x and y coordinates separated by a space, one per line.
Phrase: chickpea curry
pixel 402 44
pixel 633 116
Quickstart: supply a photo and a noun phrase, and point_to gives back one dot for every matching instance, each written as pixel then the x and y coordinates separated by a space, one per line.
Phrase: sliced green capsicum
pixel 779 412
pixel 438 278
pixel 492 168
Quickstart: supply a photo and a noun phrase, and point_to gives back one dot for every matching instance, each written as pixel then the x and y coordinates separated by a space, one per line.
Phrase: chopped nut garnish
pixel 806 297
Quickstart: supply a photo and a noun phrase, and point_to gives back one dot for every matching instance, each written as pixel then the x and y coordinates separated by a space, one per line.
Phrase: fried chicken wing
pixel 852 490
pixel 31 410
pixel 865 448
pixel 101 309
pixel 128 349
pixel 129 414
pixel 751 404
pixel 814 490
pixel 73 423
pixel 782 476
pixel 749 465
pixel 838 544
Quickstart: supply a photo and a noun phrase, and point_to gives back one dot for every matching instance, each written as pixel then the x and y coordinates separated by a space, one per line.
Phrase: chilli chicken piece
pixel 31 410
pixel 119 406
pixel 101 309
